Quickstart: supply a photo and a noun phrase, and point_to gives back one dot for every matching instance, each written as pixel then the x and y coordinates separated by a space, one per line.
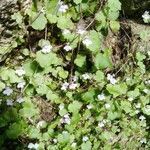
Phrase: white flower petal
pixel 21 85
pixel 143 140
pixel 101 97
pixel 55 140
pixel 46 49
pixel 101 124
pixel 130 99
pixel 111 79
pixel 87 42
pixel 142 118
pixel 33 146
pixel 65 119
pixel 61 106
pixel 63 8
pixel 9 102
pixel 20 72
pixel 89 106
pixel 67 48
pixel 73 86
pixel 146 17
pixel 107 106
pixel 40 124
pixel 85 138
pixel 7 91
pixel 86 76
pixel 20 100
pixel 64 86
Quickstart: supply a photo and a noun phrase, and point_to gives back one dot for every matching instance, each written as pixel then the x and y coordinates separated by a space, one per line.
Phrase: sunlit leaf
pixel 74 107
pixel 39 23
pixel 118 89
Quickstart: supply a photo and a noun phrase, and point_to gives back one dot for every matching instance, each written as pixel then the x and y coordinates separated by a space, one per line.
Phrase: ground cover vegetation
pixel 74 76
